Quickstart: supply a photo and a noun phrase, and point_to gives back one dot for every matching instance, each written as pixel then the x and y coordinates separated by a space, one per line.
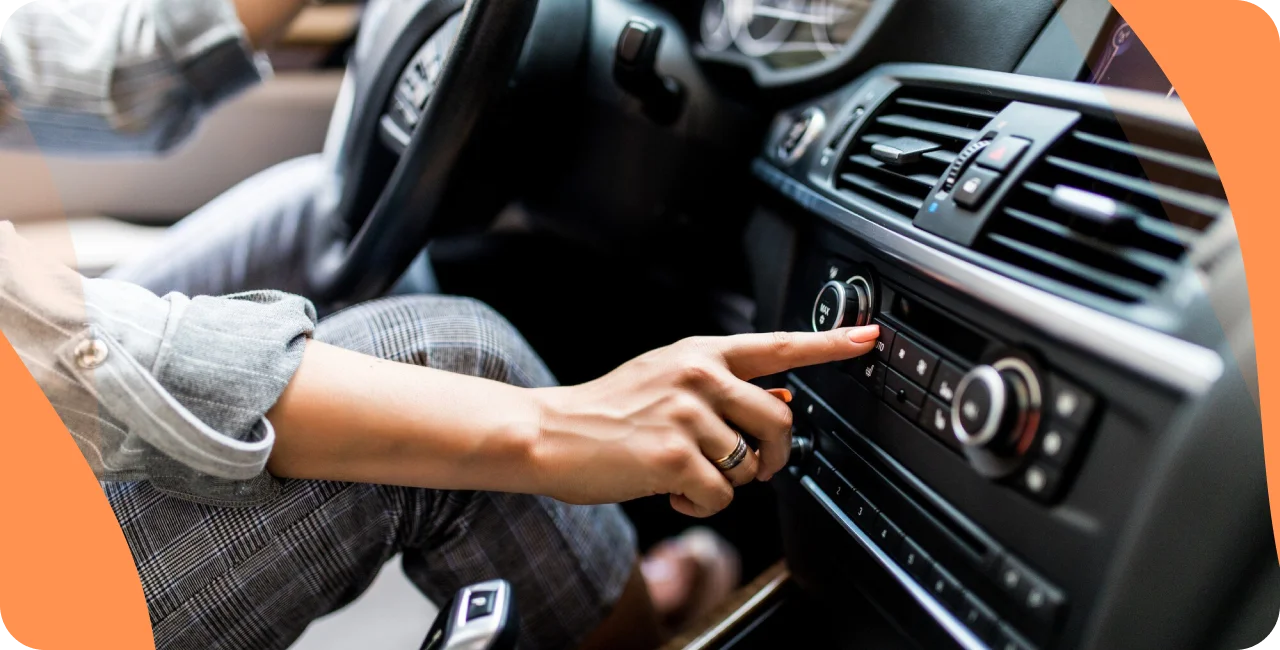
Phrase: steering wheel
pixel 377 206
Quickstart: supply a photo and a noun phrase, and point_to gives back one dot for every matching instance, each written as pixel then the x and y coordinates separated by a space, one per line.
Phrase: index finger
pixel 755 355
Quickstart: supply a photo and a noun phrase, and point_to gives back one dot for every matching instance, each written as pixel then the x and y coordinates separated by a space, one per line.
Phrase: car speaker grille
pixel 1108 215
pixel 948 120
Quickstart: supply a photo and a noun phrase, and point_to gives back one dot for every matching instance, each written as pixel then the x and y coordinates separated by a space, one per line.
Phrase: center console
pixel 1052 444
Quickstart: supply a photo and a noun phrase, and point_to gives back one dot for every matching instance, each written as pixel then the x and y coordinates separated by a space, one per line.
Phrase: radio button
pixel 1057 443
pixel 1012 579
pixel 1068 403
pixel 936 419
pixel 945 588
pixel 886 535
pixel 903 390
pixel 906 408
pixel 862 512
pixel 946 381
pixel 1043 602
pixel 884 344
pixel 914 560
pixel 1040 481
pixel 978 617
pixel 1007 639
pixel 912 360
pixel 868 372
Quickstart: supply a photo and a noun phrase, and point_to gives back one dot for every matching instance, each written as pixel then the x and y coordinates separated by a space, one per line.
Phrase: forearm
pixel 350 417
pixel 266 20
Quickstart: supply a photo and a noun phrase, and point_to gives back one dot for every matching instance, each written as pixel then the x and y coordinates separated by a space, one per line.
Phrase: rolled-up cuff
pixel 210 48
pixel 229 359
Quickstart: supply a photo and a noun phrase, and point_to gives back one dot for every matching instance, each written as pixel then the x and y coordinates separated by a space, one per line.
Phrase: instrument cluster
pixel 782 34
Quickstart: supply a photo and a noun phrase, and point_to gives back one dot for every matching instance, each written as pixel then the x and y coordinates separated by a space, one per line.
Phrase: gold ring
pixel 735 457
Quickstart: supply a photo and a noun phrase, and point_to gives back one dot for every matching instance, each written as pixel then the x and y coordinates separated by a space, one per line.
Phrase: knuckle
pixel 673 454
pixel 700 375
pixel 686 410
pixel 723 496
pixel 783 342
pixel 786 419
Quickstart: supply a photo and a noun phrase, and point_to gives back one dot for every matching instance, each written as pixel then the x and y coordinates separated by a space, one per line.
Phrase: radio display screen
pixel 1120 59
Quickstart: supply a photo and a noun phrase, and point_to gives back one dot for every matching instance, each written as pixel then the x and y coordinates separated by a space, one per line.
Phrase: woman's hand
pixel 654 425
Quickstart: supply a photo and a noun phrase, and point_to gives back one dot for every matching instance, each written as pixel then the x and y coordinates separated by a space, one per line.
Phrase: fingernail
pixel 782 394
pixel 864 334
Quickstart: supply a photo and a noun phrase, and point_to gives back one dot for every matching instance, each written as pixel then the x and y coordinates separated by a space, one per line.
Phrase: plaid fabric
pixel 256 577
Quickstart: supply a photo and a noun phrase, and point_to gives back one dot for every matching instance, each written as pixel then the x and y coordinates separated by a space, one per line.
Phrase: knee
pixel 460 335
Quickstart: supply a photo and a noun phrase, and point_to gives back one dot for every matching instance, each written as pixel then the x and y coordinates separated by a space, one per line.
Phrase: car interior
pixel 1057 441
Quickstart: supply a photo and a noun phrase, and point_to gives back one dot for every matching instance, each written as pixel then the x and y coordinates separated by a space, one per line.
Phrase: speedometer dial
pixel 765 25
pixel 781 33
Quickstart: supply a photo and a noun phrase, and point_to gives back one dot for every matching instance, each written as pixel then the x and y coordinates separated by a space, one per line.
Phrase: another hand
pixel 652 425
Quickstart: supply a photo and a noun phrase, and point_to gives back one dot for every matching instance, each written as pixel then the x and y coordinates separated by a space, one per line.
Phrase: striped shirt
pixel 170 390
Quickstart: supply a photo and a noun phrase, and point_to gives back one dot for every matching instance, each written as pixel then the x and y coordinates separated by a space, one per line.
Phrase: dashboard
pixel 1054 444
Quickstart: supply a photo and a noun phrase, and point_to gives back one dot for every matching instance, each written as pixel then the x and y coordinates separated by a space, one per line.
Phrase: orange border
pixel 67 579
pixel 1223 56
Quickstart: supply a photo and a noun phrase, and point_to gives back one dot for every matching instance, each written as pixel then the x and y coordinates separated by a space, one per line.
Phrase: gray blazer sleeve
pixel 118 75
pixel 170 390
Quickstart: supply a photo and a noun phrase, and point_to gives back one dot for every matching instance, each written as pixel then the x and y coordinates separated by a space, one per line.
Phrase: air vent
pixel 920 131
pixel 1107 212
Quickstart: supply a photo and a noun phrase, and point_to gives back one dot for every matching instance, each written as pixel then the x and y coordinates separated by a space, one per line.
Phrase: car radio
pixel 934 379
pixel 1010 416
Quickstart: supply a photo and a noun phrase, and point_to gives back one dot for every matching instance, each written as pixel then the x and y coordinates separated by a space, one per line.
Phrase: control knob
pixel 995 414
pixel 843 304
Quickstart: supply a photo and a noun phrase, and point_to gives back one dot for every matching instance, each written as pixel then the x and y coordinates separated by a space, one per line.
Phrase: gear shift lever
pixel 479 617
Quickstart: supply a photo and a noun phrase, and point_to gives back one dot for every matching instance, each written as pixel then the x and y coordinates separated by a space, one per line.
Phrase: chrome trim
pixel 866 302
pixel 712 635
pixel 817 124
pixel 995 384
pixel 935 609
pixel 843 293
pixel 1174 363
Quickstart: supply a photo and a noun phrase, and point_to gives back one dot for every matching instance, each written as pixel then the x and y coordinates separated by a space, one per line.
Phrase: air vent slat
pixel 1067 270
pixel 927 181
pixel 881 192
pixel 1190 164
pixel 1205 206
pixel 1147 198
pixel 1138 261
pixel 943 156
pixel 946 119
pixel 1165 238
pixel 948 108
pixel 929 126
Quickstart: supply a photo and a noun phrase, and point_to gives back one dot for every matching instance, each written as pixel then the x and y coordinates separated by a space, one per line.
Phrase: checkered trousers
pixel 254 578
